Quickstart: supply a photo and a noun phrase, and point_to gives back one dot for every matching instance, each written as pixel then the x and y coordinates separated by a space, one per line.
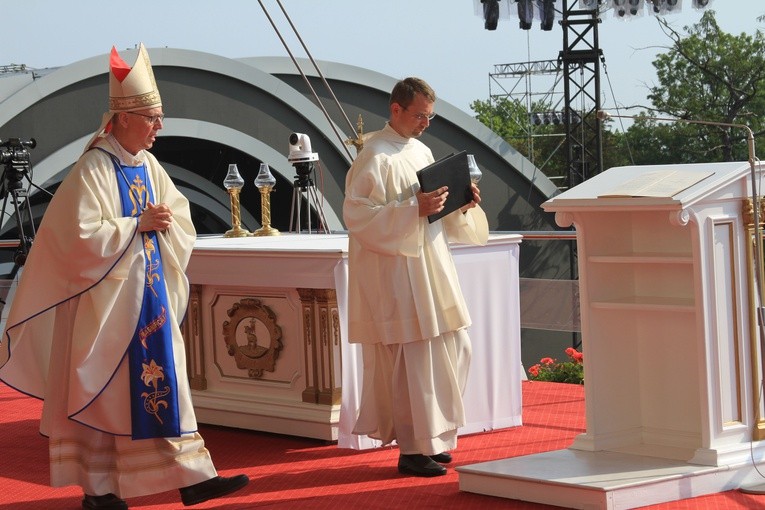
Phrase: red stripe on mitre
pixel 119 67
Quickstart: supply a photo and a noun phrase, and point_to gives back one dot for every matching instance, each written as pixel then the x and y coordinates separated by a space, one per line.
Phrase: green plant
pixel 570 371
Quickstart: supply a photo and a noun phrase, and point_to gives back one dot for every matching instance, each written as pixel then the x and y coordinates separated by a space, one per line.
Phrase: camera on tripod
pixel 15 156
pixel 16 162
pixel 302 158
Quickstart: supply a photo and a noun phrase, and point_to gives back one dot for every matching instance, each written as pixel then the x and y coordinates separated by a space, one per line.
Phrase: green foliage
pixel 551 370
pixel 706 75
pixel 504 116
pixel 509 118
pixel 659 143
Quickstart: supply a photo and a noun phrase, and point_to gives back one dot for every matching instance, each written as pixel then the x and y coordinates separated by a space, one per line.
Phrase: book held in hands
pixel 453 172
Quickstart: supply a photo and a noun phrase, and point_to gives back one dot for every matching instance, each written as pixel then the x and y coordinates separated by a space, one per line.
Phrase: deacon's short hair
pixel 405 91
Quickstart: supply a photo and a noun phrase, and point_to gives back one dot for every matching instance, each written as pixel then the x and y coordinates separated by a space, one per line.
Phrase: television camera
pixel 15 156
pixel 16 162
pixel 303 158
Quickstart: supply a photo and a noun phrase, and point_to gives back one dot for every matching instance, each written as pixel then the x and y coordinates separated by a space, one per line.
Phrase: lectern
pixel 672 359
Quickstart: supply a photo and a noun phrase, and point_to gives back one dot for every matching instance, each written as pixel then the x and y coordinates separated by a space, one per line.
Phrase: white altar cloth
pixel 489 280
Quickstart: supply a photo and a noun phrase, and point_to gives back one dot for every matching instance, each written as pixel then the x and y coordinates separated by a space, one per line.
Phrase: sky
pixel 441 41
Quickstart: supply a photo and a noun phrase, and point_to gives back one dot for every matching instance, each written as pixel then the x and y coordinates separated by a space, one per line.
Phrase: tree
pixel 541 144
pixel 648 142
pixel 713 76
pixel 705 74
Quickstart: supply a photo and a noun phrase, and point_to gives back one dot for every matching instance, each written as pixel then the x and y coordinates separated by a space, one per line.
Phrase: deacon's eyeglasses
pixel 422 116
pixel 152 118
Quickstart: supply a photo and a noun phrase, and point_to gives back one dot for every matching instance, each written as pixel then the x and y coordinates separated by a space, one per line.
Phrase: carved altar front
pixel 265 335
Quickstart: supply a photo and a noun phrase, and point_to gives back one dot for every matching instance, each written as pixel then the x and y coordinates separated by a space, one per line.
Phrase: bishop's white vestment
pixel 71 321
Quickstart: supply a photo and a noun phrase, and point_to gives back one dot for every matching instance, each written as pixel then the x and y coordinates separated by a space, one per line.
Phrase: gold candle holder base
pixel 266 230
pixel 237 232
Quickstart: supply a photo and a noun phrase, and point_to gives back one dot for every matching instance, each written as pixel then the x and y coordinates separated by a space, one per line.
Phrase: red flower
pixel 570 371
pixel 574 354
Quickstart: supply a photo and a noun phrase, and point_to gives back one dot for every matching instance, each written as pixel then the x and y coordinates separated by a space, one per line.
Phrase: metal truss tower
pixel 580 58
pixel 521 89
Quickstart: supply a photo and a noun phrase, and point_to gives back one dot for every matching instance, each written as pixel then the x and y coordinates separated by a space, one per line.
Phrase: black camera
pixel 14 151
pixel 15 156
pixel 16 162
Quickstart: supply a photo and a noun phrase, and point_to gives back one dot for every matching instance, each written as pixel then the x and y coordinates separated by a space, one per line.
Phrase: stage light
pixel 490 14
pixel 588 4
pixel 619 7
pixel 635 6
pixel 663 6
pixel 526 13
pixel 555 118
pixel 546 14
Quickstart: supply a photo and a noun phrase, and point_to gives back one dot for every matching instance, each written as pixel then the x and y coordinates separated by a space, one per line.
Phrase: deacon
pixel 405 306
pixel 93 328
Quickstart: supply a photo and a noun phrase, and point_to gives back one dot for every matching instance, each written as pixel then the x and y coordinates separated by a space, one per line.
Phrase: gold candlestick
pixel 233 184
pixel 265 182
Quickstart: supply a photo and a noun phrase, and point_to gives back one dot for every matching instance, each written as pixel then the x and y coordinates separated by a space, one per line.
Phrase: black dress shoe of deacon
pixel 105 502
pixel 212 488
pixel 443 457
pixel 419 465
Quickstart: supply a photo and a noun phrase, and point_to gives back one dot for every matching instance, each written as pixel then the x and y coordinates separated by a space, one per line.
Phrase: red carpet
pixel 295 473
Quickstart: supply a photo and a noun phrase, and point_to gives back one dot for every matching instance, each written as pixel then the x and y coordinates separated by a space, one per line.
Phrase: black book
pixel 451 171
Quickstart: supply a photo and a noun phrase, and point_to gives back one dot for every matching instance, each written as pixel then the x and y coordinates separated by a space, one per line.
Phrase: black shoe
pixel 419 465
pixel 443 457
pixel 212 488
pixel 105 502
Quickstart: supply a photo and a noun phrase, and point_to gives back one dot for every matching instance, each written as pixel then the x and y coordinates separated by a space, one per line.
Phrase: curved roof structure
pixel 221 111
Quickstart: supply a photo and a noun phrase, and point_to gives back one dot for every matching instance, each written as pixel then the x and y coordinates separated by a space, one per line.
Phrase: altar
pixel 266 325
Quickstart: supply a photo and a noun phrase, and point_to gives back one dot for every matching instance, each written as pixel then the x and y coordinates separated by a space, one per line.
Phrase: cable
pixel 751 443
pixel 616 105
pixel 318 70
pixel 305 78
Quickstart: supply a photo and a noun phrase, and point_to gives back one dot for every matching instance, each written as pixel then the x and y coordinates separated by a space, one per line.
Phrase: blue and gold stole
pixel 154 404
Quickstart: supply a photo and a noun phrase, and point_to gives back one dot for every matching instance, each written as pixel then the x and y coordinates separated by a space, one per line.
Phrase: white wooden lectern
pixel 672 357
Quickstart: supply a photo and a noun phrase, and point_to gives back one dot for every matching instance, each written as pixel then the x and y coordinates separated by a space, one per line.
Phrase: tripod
pixel 303 187
pixel 15 156
pixel 12 188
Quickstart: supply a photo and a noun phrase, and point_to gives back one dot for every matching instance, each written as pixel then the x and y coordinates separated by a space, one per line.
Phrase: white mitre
pixel 130 89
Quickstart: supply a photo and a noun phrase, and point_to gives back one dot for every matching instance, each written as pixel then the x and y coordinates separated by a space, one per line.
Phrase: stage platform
pixel 600 480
